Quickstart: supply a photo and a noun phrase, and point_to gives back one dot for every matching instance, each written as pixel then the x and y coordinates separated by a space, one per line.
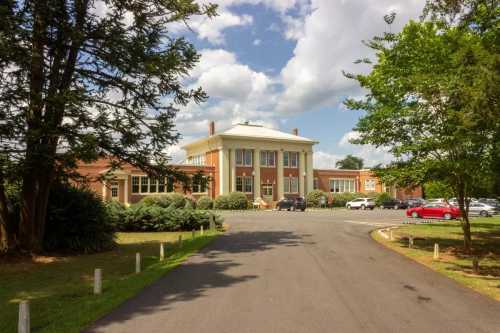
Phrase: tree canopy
pixel 78 83
pixel 350 162
pixel 433 99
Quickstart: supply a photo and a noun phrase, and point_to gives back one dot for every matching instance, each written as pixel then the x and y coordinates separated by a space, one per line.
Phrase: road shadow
pixel 194 278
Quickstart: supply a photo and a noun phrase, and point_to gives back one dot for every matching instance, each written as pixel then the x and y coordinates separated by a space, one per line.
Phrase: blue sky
pixel 278 63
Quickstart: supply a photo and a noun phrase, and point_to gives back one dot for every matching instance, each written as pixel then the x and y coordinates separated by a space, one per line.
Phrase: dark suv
pixel 298 203
pixel 394 203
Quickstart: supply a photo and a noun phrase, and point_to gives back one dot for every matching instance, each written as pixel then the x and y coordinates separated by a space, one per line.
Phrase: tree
pixel 77 84
pixel 350 162
pixel 433 100
pixel 437 189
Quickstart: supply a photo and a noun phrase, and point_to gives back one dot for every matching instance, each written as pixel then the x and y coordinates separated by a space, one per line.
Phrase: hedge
pixel 313 198
pixel 234 200
pixel 205 203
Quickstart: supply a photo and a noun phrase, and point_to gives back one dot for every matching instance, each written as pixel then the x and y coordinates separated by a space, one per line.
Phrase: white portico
pixel 258 161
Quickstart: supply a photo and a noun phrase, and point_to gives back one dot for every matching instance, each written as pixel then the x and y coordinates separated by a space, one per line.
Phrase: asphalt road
pixel 303 272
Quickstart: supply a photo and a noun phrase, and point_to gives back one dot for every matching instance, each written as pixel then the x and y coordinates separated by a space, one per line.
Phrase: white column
pixel 279 170
pixel 256 170
pixel 224 171
pixel 232 161
pixel 309 172
pixel 103 190
pixel 302 170
pixel 125 192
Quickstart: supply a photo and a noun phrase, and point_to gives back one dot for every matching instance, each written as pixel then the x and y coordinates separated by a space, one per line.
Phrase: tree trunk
pixel 463 204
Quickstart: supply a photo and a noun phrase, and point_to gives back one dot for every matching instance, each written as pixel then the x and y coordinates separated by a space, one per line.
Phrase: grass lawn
pixel 453 262
pixel 60 289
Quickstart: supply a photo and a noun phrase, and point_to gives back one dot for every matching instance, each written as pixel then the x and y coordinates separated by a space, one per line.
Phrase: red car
pixel 434 210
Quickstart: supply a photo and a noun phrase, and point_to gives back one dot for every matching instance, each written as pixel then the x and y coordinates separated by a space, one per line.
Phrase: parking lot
pixel 317 271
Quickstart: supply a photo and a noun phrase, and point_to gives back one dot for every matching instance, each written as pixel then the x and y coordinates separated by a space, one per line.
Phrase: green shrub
pixel 77 221
pixel 115 211
pixel 340 199
pixel 177 199
pixel 205 203
pixel 190 204
pixel 154 218
pixel 382 197
pixel 313 198
pixel 233 200
pixel 157 200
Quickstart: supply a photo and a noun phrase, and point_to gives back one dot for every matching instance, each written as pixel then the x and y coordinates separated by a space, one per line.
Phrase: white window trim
pixel 290 154
pixel 266 165
pixel 373 184
pixel 243 158
pixel 289 181
pixel 197 193
pixel 353 180
pixel 149 185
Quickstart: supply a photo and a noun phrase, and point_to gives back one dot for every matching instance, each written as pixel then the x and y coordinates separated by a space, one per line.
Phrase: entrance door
pixel 267 192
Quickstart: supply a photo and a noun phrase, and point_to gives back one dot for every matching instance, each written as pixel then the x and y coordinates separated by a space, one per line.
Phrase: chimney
pixel 295 131
pixel 211 128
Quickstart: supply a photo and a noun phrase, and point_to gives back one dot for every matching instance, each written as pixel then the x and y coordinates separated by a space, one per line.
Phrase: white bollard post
pixel 201 230
pixel 391 236
pixel 97 281
pixel 23 325
pixel 410 242
pixel 162 251
pixel 212 222
pixel 436 251
pixel 137 263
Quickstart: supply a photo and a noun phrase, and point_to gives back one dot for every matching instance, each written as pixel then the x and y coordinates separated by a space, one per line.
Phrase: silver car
pixel 482 209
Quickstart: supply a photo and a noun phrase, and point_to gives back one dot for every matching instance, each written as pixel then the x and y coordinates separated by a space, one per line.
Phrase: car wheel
pixel 483 213
pixel 372 208
pixel 414 215
pixel 348 206
pixel 447 216
pixel 363 207
pixel 279 208
pixel 396 207
pixel 293 209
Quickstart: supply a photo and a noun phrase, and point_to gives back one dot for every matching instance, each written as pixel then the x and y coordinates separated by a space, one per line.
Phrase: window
pixel 243 157
pixel 290 159
pixel 267 190
pixel 244 184
pixel 114 190
pixel 316 184
pixel 144 184
pixel 290 184
pixel 268 158
pixel 343 185
pixel 135 184
pixel 200 186
pixel 370 184
pixel 152 185
pixel 196 159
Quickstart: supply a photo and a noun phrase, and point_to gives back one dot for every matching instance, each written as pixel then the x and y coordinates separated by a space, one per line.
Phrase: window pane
pixel 161 185
pixel 248 157
pixel 263 158
pixel 144 184
pixel 285 159
pixel 294 184
pixel 135 184
pixel 239 184
pixel 152 185
pixel 248 184
pixel 239 157
pixel 286 185
pixel 271 158
pixel 294 160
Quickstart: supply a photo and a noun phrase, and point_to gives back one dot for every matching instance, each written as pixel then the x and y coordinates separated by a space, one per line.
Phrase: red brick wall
pixel 270 176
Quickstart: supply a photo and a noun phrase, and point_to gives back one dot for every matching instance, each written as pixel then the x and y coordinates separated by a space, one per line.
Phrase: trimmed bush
pixel 205 203
pixel 156 200
pixel 115 211
pixel 154 218
pixel 177 200
pixel 313 198
pixel 234 200
pixel 382 197
pixel 340 199
pixel 77 221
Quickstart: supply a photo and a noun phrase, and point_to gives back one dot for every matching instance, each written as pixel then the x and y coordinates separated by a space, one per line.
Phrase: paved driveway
pixel 303 272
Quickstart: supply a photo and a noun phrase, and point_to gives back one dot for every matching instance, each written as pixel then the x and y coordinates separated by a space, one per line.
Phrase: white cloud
pixel 370 154
pixel 212 29
pixel 257 42
pixel 328 41
pixel 325 160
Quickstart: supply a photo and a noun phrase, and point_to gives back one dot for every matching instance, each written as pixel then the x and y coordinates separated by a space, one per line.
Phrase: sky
pixel 279 63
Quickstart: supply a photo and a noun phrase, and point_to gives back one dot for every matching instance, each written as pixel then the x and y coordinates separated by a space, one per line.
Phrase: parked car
pixel 298 203
pixel 436 200
pixel 361 203
pixel 490 201
pixel 434 210
pixel 482 209
pixel 415 202
pixel 395 204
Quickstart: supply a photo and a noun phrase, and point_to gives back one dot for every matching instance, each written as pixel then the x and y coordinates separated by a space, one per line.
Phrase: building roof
pixel 249 131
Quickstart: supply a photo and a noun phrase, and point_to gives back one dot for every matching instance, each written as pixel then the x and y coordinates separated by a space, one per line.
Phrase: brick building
pixel 258 161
